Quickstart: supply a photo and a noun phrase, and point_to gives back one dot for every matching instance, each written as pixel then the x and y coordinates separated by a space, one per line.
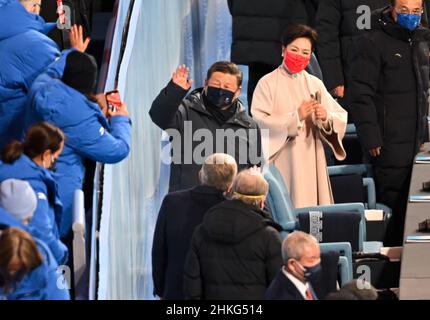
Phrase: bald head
pixel 218 171
pixel 250 187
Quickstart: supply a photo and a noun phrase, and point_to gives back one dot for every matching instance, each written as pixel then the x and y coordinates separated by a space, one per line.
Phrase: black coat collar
pixel 203 189
pixel 288 289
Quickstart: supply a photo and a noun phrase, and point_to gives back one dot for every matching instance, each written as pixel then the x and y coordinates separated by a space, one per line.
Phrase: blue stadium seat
pixel 286 215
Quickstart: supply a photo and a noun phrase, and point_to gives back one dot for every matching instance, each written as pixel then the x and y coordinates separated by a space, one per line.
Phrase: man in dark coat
pixel 180 213
pixel 257 29
pixel 338 25
pixel 301 269
pixel 209 120
pixel 236 252
pixel 389 101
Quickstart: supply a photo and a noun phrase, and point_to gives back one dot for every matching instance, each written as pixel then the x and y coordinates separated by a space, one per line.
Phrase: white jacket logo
pixel 41 196
pixel 102 131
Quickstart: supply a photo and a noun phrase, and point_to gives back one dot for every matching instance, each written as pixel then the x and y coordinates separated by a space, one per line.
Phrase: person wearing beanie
pixel 80 72
pixel 64 96
pixel 18 198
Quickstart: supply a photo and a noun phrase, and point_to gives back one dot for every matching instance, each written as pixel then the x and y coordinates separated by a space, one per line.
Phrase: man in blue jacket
pixel 25 52
pixel 63 96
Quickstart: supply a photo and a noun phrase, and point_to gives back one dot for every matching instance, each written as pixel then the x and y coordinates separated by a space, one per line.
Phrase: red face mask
pixel 295 62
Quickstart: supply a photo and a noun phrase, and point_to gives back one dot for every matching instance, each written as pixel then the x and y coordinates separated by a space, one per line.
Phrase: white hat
pixel 18 198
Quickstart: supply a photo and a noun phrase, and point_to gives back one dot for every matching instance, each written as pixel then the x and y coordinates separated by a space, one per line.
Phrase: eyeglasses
pixel 416 12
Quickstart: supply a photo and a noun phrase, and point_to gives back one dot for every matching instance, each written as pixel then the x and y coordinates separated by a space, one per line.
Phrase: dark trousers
pixel 256 72
pixel 392 190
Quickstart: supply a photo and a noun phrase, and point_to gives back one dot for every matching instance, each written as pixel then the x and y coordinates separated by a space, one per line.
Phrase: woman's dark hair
pixel 40 137
pixel 18 256
pixel 296 31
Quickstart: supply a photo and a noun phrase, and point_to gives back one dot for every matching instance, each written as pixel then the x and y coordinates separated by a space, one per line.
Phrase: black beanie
pixel 80 72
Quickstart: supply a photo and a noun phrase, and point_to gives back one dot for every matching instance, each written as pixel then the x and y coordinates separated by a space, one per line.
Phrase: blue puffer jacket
pixel 25 52
pixel 42 283
pixel 88 133
pixel 49 208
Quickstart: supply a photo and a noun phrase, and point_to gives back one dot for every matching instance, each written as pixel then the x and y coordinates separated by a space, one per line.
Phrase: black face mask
pixel 312 273
pixel 220 98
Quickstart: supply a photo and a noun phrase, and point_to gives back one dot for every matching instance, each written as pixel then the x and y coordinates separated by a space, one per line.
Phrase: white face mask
pixel 44 164
pixel 51 166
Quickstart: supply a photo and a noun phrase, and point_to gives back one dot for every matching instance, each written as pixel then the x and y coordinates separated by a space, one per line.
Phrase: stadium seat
pixel 286 215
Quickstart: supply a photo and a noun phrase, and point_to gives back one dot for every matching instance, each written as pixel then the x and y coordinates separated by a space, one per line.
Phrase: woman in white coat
pixel 300 115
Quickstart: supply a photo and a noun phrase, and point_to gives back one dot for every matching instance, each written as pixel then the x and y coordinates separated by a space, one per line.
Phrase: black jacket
pixel 336 24
pixel 181 212
pixel 389 89
pixel 171 110
pixel 282 288
pixel 258 26
pixel 234 254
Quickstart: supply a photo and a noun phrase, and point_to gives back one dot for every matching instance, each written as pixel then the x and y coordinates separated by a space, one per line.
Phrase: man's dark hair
pixel 226 67
pixel 296 31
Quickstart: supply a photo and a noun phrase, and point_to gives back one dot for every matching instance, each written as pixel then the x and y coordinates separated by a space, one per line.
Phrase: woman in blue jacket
pixel 63 96
pixel 28 269
pixel 31 161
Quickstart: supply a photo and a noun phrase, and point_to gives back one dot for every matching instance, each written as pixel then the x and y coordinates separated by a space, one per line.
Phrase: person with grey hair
pixel 361 289
pixel 301 269
pixel 180 213
pixel 235 253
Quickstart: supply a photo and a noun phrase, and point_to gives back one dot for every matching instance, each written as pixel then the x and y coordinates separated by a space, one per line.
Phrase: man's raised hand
pixel 180 77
